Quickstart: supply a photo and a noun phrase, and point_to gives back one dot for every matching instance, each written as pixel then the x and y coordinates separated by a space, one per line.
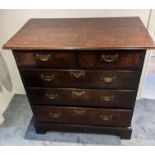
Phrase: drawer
pixel 80 78
pixel 112 60
pixel 82 116
pixel 45 59
pixel 82 97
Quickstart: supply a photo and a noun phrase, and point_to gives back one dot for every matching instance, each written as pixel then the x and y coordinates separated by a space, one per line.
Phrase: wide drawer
pixel 82 97
pixel 112 60
pixel 85 116
pixel 80 78
pixel 45 59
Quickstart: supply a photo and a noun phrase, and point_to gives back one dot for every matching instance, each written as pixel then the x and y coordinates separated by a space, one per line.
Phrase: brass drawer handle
pixel 77 74
pixel 109 57
pixel 51 96
pixel 78 93
pixel 79 111
pixel 106 117
pixel 42 57
pixel 106 98
pixel 48 77
pixel 108 79
pixel 55 115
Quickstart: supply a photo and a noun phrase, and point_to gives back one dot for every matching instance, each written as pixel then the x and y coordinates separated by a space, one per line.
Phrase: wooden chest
pixel 81 75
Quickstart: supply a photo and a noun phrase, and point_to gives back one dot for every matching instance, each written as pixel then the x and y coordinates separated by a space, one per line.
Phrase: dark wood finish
pixel 81 75
pixel 87 60
pixel 86 79
pixel 83 116
pixel 112 60
pixel 45 59
pixel 86 33
pixel 82 97
pixel 122 132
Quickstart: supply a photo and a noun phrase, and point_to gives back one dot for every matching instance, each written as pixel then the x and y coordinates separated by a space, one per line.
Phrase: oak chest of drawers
pixel 81 75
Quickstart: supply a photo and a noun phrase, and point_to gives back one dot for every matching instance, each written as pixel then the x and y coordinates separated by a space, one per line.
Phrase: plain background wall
pixel 12 20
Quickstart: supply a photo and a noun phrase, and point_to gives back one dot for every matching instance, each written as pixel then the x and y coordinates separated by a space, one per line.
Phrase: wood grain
pixel 52 59
pixel 82 33
pixel 81 74
pixel 85 116
pixel 87 97
pixel 125 59
pixel 91 79
pixel 122 132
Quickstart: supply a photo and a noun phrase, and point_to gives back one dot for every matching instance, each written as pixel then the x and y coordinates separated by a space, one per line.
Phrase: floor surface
pixel 18 129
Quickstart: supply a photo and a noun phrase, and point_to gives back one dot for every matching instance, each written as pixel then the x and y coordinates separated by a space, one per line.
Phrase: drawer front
pixel 45 59
pixel 86 116
pixel 81 79
pixel 112 60
pixel 82 97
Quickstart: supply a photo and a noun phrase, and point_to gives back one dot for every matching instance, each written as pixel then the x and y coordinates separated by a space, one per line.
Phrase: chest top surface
pixel 82 34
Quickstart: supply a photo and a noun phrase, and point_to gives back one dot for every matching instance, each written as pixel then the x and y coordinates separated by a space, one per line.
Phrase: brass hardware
pixel 106 117
pixel 55 115
pixel 48 77
pixel 77 74
pixel 79 111
pixel 108 79
pixel 51 96
pixel 106 98
pixel 78 93
pixel 42 57
pixel 109 57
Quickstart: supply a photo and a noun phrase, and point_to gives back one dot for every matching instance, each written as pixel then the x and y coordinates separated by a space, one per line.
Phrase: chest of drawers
pixel 81 75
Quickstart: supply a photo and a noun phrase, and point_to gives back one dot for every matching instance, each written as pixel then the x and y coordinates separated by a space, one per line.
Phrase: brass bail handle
pixel 43 57
pixel 109 57
pixel 77 74
pixel 48 78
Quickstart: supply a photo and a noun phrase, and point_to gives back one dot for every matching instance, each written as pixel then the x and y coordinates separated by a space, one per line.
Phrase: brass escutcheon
pixel 43 57
pixel 51 96
pixel 77 74
pixel 106 117
pixel 79 111
pixel 48 77
pixel 78 93
pixel 108 79
pixel 55 115
pixel 109 57
pixel 106 98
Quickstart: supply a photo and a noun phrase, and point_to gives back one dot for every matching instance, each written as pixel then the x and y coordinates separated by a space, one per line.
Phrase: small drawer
pixel 80 78
pixel 112 60
pixel 45 59
pixel 82 97
pixel 82 116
